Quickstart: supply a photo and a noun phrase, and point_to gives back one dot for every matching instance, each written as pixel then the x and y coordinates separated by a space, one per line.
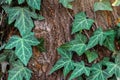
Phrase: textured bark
pixel 56 30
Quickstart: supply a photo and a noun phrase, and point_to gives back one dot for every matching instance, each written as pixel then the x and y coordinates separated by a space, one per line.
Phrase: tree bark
pixel 56 30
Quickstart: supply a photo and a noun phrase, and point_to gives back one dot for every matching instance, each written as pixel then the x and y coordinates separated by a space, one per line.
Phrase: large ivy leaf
pixel 81 22
pixel 116 3
pixel 98 38
pixel 91 56
pixel 79 70
pixel 19 72
pixel 34 4
pixel 102 5
pixel 66 3
pixel 78 45
pixel 22 46
pixel 114 68
pixel 22 17
pixel 97 73
pixel 65 62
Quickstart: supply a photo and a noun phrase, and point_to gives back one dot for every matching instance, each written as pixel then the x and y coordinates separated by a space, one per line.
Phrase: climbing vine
pixel 91 69
pixel 17 49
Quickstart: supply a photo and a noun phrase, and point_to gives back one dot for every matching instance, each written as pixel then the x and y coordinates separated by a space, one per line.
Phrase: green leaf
pixel 78 45
pixel 79 70
pixel 21 1
pixel 97 38
pixel 114 68
pixel 66 3
pixel 91 56
pixel 34 4
pixel 65 62
pixel 40 46
pixel 3 57
pixel 22 17
pixel 19 72
pixel 109 42
pixel 81 22
pixel 116 3
pixel 102 5
pixel 22 46
pixel 97 73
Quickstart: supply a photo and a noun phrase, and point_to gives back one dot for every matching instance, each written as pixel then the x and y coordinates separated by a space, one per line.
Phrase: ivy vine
pixel 17 51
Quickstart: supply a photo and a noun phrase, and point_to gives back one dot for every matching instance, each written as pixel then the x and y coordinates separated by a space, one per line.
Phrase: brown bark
pixel 56 30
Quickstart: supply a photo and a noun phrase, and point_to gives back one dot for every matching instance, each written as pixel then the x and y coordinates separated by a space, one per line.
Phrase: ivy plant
pixel 83 46
pixel 17 51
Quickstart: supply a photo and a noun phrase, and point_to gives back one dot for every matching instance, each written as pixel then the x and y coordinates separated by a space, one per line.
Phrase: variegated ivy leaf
pixel 116 3
pixel 80 69
pixel 35 4
pixel 114 68
pixel 22 17
pixel 23 49
pixel 19 72
pixel 66 3
pixel 78 45
pixel 102 5
pixel 65 61
pixel 98 38
pixel 81 22
pixel 97 73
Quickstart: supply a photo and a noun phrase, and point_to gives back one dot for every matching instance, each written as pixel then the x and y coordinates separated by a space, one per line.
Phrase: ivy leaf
pixel 116 3
pixel 78 45
pixel 79 70
pixel 41 45
pixel 21 1
pixel 81 22
pixel 91 56
pixel 66 3
pixel 18 72
pixel 22 46
pixel 34 4
pixel 102 5
pixel 22 18
pixel 3 57
pixel 109 42
pixel 97 73
pixel 98 38
pixel 65 62
pixel 114 68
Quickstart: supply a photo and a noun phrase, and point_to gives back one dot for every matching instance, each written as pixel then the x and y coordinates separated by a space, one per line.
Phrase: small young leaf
pixel 66 3
pixel 80 69
pixel 40 46
pixel 19 72
pixel 97 73
pixel 91 56
pixel 102 5
pixel 98 38
pixel 22 46
pixel 81 22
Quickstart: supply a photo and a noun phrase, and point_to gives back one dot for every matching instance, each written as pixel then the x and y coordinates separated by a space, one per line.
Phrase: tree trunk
pixel 56 30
